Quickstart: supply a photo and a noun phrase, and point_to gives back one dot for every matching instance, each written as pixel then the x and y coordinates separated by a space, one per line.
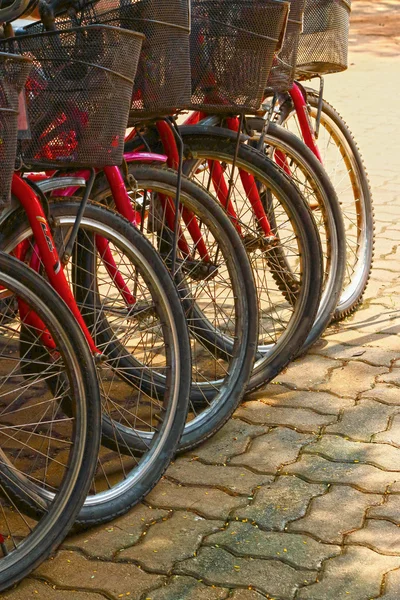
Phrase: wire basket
pixel 284 66
pixel 324 42
pixel 78 95
pixel 13 73
pixel 233 43
pixel 162 82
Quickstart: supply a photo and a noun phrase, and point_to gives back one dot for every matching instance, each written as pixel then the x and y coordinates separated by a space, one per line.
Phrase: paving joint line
pixel 352 462
pixel 67 588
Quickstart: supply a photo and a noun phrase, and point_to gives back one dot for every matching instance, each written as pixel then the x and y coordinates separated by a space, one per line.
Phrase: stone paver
pixel 232 439
pixel 389 510
pixel 378 357
pixel 392 585
pixel 103 542
pixel 180 587
pixel 381 536
pixel 393 377
pixel 307 373
pixel 301 419
pixel 388 394
pixel 298 496
pixel 170 541
pixel 320 402
pixel 391 435
pixel 364 420
pixel 269 452
pixel 207 502
pixel 353 378
pixel 364 477
pixel 268 576
pixel 71 570
pixel 234 479
pixel 245 539
pixel 343 450
pixel 282 501
pixel 246 595
pixel 31 589
pixel 357 574
pixel 319 521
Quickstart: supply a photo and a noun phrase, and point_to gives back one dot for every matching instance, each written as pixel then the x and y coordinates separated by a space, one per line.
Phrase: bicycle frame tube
pixel 248 182
pixel 222 192
pixel 47 249
pixel 28 316
pixel 124 206
pixel 306 128
pixel 251 188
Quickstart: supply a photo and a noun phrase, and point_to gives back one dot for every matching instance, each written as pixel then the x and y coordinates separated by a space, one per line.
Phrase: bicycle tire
pixel 289 344
pixel 117 498
pixel 220 145
pixel 53 519
pixel 214 402
pixel 330 226
pixel 362 248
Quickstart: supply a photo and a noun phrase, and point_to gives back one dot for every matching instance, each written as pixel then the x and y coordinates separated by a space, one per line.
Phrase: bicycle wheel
pixel 216 286
pixel 344 165
pixel 284 324
pixel 139 327
pixel 47 458
pixel 305 170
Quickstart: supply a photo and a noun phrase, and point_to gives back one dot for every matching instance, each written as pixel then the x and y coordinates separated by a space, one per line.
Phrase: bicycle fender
pixel 215 131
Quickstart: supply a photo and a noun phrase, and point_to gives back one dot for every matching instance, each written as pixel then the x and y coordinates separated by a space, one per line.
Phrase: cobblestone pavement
pixel 299 495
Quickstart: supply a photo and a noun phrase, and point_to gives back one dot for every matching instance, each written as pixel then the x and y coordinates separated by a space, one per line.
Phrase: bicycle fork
pixel 49 257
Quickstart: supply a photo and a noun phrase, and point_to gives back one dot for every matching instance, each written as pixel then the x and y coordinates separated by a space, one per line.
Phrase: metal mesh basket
pixel 323 44
pixel 13 73
pixel 284 65
pixel 232 48
pixel 162 83
pixel 78 94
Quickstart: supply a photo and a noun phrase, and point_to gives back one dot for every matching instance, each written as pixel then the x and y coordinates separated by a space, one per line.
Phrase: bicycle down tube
pixel 47 250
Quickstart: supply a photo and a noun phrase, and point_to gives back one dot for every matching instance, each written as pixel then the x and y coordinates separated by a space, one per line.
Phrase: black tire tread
pixel 339 315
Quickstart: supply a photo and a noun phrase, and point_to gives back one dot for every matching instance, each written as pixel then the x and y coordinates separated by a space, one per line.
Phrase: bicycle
pixel 319 50
pixel 41 446
pixel 214 277
pixel 126 326
pixel 48 453
pixel 276 356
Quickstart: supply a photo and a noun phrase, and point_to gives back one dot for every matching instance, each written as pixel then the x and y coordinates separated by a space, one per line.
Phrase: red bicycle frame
pixel 47 251
pixel 124 206
pixel 306 127
pixel 218 180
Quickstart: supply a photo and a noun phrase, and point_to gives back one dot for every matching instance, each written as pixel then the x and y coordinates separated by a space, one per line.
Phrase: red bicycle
pixel 286 317
pixel 136 331
pixel 42 446
pixel 320 49
pixel 213 274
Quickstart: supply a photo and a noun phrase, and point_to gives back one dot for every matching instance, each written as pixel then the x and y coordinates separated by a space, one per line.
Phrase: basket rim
pixel 9 110
pixel 16 57
pixel 287 2
pixel 284 4
pixel 106 13
pixel 126 32
pixel 157 21
pixel 19 38
pixel 346 3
